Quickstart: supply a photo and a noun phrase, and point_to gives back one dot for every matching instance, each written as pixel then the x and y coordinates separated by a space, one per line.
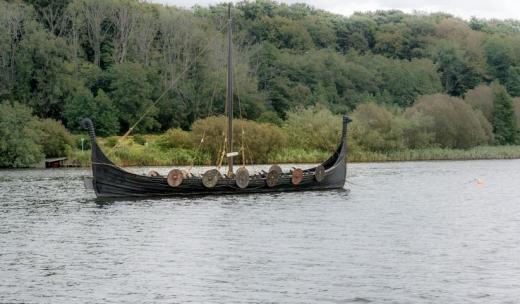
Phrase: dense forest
pixel 410 80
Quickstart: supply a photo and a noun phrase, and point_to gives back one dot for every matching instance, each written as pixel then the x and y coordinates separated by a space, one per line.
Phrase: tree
pixel 51 12
pixel 15 19
pixel 406 80
pixel 455 123
pixel 513 81
pixel 18 138
pixel 283 32
pixel 355 33
pixel 55 140
pixel 143 34
pixel 504 119
pixel 481 98
pixel 393 40
pixel 124 19
pixel 42 72
pixel 100 109
pixel 321 31
pixel 499 54
pixel 516 105
pixel 457 33
pixel 94 15
pixel 376 128
pixel 313 127
pixel 131 93
pixel 457 73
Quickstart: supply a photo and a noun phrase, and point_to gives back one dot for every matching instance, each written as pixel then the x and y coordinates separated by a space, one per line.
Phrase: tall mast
pixel 229 98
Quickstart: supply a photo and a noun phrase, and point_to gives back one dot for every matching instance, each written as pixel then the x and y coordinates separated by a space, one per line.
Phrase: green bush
pixel 270 117
pixel 417 132
pixel 177 138
pixel 481 98
pixel 516 105
pixel 139 139
pixel 456 124
pixel 257 139
pixel 504 119
pixel 313 128
pixel 55 140
pixel 375 128
pixel 111 141
pixel 18 136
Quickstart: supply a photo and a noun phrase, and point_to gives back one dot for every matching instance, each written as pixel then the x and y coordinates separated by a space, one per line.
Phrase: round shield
pixel 242 177
pixel 210 178
pixel 297 176
pixel 319 173
pixel 153 173
pixel 276 168
pixel 175 177
pixel 272 178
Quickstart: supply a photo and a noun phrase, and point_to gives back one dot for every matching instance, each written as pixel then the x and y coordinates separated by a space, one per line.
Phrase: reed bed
pixel 148 153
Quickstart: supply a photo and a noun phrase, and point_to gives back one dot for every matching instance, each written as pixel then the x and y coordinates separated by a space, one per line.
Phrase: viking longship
pixel 111 181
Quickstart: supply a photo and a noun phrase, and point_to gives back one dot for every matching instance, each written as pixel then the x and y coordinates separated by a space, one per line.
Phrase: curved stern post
pixel 341 161
pixel 98 157
pixel 346 121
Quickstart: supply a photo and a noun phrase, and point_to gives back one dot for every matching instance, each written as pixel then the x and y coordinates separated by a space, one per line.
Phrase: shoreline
pixel 153 158
pixel 283 163
pixel 313 157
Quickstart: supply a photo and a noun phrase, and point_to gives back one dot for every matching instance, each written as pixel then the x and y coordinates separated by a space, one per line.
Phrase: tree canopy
pixel 115 60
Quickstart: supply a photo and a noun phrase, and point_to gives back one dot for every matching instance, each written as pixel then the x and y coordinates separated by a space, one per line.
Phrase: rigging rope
pixel 209 111
pixel 223 152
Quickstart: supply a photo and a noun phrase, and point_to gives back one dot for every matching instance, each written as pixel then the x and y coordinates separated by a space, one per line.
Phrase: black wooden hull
pixel 110 181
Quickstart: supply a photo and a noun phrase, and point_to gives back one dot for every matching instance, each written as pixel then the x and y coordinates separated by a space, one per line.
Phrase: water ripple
pixel 422 232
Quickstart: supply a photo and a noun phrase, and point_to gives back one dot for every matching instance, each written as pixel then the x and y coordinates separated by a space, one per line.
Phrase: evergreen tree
pixel 504 119
pixel 513 81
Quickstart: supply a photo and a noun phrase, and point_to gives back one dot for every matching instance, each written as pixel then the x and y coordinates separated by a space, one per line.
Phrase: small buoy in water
pixel 479 181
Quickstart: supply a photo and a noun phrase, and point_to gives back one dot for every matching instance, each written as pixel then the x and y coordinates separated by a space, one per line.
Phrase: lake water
pixel 416 232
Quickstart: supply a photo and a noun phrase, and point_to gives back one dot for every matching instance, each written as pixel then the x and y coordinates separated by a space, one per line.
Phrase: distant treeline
pixel 441 80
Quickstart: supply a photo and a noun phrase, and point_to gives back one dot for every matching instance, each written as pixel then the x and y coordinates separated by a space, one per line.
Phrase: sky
pixel 499 9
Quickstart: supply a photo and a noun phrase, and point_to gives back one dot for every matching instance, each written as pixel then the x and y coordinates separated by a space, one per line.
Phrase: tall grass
pixel 296 155
pixel 481 152
pixel 151 155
